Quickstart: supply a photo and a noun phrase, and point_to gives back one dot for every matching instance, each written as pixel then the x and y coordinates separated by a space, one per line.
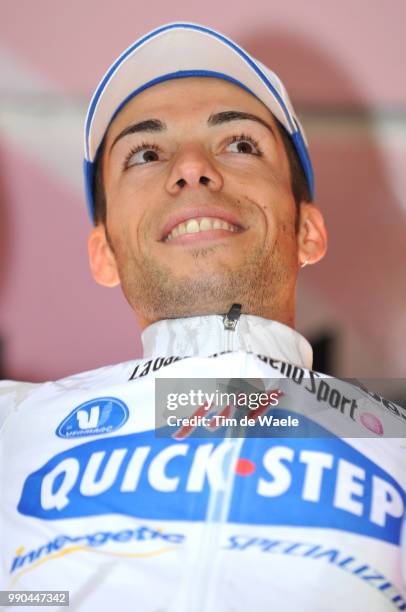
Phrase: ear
pixel 312 235
pixel 101 258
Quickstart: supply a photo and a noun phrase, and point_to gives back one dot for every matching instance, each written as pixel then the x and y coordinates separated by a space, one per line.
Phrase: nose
pixel 193 168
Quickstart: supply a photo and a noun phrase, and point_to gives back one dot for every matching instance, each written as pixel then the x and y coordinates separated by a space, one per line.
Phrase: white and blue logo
pixel 307 482
pixel 101 415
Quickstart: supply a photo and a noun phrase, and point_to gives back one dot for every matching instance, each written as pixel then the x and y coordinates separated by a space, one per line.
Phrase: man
pixel 200 185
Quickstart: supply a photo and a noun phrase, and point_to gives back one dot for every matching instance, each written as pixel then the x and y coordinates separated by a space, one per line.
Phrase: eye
pixel 243 144
pixel 142 154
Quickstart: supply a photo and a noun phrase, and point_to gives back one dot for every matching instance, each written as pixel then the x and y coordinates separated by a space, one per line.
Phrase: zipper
pixel 199 594
pixel 230 321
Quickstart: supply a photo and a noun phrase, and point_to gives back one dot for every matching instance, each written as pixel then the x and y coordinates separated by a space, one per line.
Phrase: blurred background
pixel 343 64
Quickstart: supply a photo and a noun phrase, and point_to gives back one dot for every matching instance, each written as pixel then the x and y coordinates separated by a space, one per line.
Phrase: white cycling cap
pixel 179 50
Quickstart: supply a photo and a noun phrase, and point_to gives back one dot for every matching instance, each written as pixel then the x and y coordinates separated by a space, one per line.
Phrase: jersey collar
pixel 206 335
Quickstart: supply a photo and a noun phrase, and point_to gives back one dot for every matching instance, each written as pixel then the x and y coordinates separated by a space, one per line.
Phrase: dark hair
pixel 298 180
pixel 299 184
pixel 99 194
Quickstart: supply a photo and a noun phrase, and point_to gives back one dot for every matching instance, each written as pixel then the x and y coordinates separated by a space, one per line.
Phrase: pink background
pixel 343 63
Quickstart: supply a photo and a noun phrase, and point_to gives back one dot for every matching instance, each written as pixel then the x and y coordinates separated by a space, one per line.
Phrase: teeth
pixel 193 226
pixel 205 224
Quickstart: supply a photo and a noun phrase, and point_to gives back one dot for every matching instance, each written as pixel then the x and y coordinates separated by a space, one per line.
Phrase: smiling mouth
pixel 200 225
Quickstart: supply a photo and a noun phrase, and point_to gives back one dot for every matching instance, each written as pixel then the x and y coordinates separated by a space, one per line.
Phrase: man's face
pixel 200 211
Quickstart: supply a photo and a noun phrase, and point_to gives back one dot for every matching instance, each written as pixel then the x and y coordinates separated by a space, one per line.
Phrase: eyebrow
pixel 148 126
pixel 151 126
pixel 227 116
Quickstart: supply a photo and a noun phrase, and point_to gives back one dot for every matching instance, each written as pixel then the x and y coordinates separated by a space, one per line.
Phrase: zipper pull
pixel 230 320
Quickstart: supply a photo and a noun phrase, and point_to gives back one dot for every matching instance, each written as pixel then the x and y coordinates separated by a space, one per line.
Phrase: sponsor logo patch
pixel 101 415
pixel 132 542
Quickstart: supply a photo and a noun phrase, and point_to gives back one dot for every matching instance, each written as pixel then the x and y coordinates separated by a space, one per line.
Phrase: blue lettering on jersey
pixel 313 482
pixel 101 415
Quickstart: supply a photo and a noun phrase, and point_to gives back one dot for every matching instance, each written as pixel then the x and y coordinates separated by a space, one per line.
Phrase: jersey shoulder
pixel 13 393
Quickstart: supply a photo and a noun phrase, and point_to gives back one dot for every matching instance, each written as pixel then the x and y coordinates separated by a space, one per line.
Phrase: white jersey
pixel 97 501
